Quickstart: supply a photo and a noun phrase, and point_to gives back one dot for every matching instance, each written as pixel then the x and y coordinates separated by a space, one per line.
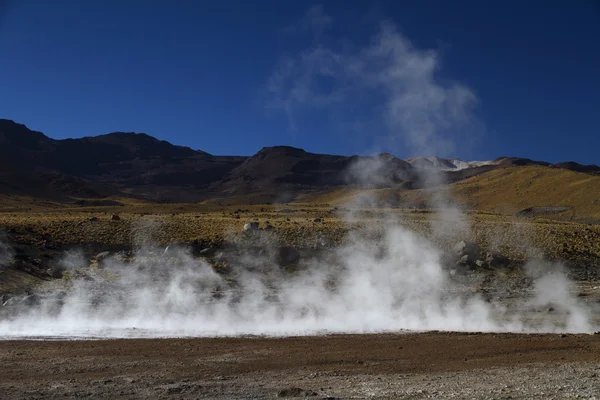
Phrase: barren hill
pixel 510 190
pixel 136 165
pixel 289 167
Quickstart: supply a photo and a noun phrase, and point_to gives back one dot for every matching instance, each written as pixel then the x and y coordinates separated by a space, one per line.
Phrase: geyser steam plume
pixel 395 285
pixel 396 282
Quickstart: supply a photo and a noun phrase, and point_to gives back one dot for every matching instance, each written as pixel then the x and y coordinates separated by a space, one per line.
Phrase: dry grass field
pixel 299 225
pixel 504 191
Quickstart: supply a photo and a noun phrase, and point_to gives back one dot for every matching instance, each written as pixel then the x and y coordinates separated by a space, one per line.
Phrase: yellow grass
pixel 512 189
pixel 293 225
pixel 494 197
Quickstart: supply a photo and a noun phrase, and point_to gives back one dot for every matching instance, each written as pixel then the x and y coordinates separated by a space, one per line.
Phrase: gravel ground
pixel 412 366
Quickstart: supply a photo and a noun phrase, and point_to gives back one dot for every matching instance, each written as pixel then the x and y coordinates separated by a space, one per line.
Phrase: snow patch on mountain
pixel 446 164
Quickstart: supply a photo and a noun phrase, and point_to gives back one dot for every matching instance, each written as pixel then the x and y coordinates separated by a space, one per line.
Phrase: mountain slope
pixel 136 165
pixel 566 194
pixel 127 163
pixel 509 190
pixel 291 168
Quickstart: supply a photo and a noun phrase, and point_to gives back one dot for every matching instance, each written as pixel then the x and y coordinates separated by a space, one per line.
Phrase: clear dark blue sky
pixel 202 73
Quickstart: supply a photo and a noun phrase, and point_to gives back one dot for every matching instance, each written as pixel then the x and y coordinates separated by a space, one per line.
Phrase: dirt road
pixel 426 365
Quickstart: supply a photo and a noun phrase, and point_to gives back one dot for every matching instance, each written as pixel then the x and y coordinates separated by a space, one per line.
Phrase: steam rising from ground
pixel 399 283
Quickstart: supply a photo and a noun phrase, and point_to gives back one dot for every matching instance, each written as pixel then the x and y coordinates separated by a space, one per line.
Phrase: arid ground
pixel 394 366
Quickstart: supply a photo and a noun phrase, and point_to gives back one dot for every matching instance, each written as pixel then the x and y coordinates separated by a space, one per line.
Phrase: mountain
pixel 573 166
pixel 289 167
pixel 125 164
pixel 455 164
pixel 121 163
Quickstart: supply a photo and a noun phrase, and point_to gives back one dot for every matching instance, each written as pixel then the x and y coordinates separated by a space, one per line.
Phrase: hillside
pixel 550 192
pixel 126 165
pixel 289 167
pixel 510 190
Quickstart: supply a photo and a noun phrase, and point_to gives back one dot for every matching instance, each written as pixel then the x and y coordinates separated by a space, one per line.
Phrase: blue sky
pixel 473 79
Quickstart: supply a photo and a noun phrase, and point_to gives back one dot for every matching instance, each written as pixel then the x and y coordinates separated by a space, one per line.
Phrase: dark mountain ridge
pixel 139 165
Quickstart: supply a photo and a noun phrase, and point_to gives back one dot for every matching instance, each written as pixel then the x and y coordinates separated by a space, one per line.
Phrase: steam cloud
pixel 392 284
pixel 387 80
pixel 397 284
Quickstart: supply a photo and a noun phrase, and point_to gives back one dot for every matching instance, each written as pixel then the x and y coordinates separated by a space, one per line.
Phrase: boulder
pixel 115 217
pixel 93 219
pixel 464 260
pixel 251 226
pixel 469 249
pixel 496 260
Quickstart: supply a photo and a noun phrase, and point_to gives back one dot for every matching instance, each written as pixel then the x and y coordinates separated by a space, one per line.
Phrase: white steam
pixel 397 282
pixel 392 87
pixel 392 285
pixel 387 81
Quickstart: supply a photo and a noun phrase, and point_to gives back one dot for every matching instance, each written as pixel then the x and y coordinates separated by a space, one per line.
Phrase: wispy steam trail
pixel 388 80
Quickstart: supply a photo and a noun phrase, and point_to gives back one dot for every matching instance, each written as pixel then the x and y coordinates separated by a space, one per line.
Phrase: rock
pixel 115 217
pixel 495 260
pixel 287 256
pixel 317 220
pixel 480 263
pixel 467 248
pixel 93 219
pixel 251 226
pixel 295 392
pixel 207 252
pixel 464 260
pixel 101 258
pixel 467 253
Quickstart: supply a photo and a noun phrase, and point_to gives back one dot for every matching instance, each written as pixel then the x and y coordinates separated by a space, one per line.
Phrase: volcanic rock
pixel 251 226
pixel 469 249
pixel 494 259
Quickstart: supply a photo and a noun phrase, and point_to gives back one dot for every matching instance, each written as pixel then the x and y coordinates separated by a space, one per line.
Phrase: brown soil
pixel 421 365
